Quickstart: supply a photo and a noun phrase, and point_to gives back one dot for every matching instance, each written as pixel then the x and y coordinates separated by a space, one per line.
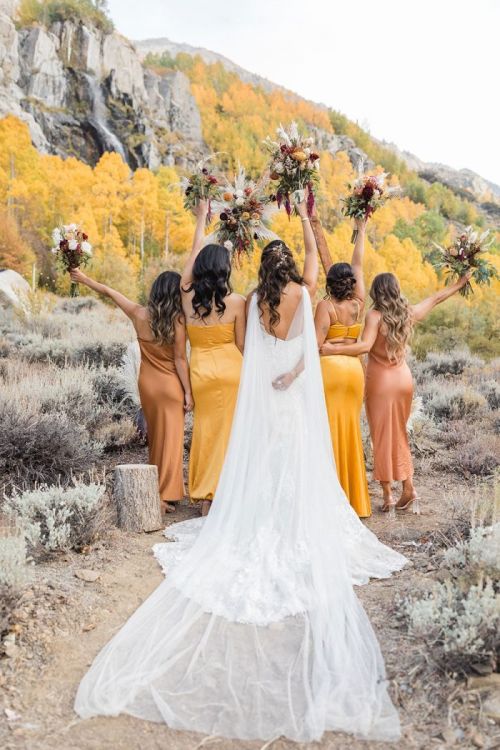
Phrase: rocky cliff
pixel 84 92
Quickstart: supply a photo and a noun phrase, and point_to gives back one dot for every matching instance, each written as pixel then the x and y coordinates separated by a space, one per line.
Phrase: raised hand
pixel 78 277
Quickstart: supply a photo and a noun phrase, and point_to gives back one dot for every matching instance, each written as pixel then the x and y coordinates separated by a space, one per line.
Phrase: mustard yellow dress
pixel 343 381
pixel 215 368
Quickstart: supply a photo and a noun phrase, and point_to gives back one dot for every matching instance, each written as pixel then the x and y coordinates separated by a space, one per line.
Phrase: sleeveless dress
pixel 215 368
pixel 389 394
pixel 257 631
pixel 162 401
pixel 343 382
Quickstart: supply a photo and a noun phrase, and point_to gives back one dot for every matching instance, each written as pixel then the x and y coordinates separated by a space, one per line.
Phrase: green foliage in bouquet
pixel 463 256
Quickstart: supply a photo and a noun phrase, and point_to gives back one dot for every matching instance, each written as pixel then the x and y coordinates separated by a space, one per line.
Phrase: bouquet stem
pixel 74 290
pixel 354 236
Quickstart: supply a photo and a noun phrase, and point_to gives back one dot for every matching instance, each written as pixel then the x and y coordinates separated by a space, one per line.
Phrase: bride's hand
pixel 283 381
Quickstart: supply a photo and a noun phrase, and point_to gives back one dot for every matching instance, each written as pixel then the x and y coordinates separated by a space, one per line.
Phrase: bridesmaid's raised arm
pixel 364 344
pixel 357 261
pixel 201 211
pixel 311 266
pixel 129 307
pixel 422 309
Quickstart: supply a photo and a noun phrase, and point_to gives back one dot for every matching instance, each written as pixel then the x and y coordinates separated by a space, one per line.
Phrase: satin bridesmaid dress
pixel 343 381
pixel 215 368
pixel 389 395
pixel 162 401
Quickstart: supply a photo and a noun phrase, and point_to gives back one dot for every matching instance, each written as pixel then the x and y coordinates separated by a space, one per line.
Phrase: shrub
pixel 445 402
pixel 452 363
pixel 54 518
pixel 36 447
pixel 51 11
pixel 12 559
pixel 458 619
pixel 76 305
pixel 491 391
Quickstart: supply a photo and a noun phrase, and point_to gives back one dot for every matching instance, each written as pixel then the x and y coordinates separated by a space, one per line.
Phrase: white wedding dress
pixel 256 631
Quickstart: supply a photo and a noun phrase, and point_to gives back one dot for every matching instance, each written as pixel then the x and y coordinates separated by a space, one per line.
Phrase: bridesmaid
pixel 216 329
pixel 338 320
pixel 164 387
pixel 389 384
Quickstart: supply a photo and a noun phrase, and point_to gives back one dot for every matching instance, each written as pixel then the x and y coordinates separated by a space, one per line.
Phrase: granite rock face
pixel 83 92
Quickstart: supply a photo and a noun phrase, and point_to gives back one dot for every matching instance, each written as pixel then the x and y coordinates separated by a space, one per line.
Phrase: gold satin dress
pixel 215 369
pixel 343 381
pixel 162 401
pixel 389 395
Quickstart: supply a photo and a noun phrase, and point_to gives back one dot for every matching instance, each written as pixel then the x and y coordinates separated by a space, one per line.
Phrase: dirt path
pixel 66 622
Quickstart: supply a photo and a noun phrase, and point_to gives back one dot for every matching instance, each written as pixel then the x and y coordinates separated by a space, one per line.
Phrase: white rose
pixel 57 236
pixel 307 151
pixel 73 227
pixel 87 248
pixel 240 201
pixel 239 193
pixel 72 244
pixel 228 245
pixel 279 168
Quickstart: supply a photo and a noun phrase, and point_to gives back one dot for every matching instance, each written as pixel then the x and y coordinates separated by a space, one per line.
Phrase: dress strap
pixel 336 314
pixel 358 307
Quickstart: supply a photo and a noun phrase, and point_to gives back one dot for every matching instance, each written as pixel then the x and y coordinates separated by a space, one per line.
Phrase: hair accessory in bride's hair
pixel 281 256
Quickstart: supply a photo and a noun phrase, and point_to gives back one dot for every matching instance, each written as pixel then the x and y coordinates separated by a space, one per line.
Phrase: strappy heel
pixel 389 507
pixel 414 502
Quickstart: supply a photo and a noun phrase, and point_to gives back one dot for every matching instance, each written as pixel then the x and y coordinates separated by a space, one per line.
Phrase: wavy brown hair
pixel 165 306
pixel 277 269
pixel 211 282
pixel 396 314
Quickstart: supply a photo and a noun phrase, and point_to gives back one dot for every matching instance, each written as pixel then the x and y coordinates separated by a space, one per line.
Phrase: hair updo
pixel 340 281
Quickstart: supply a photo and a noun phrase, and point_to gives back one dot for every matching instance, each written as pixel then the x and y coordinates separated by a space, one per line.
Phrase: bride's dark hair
pixel 277 269
pixel 210 284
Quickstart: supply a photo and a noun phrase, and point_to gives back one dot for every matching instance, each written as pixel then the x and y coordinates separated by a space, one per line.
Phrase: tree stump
pixel 137 498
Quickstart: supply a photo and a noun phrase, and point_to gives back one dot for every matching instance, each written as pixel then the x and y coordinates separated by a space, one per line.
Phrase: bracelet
pixel 304 218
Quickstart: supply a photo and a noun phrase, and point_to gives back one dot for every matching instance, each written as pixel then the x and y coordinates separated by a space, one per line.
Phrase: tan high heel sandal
pixel 389 507
pixel 413 502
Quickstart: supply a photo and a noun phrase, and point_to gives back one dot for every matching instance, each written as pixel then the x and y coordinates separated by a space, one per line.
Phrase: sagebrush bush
pixel 13 571
pixel 449 363
pixel 459 618
pixel 56 518
pixel 446 401
pixel 37 447
pixel 490 389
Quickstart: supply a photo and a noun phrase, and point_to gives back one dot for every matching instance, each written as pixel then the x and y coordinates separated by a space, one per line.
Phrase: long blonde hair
pixel 396 314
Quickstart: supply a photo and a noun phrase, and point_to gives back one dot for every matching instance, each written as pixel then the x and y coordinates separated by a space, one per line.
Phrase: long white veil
pixel 257 631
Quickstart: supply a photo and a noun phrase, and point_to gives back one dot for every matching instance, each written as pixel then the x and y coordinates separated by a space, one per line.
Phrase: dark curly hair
pixel 277 269
pixel 165 306
pixel 340 281
pixel 211 281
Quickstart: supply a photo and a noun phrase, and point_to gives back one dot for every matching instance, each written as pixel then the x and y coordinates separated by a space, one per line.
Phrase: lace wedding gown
pixel 256 631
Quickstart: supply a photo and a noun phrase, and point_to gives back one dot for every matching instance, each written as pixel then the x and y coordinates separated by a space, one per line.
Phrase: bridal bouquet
pixel 201 185
pixel 72 249
pixel 367 194
pixel 462 256
pixel 245 213
pixel 294 165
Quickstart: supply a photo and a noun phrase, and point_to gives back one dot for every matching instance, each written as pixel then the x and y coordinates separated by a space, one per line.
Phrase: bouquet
pixel 245 212
pixel 201 185
pixel 367 194
pixel 295 165
pixel 72 248
pixel 462 256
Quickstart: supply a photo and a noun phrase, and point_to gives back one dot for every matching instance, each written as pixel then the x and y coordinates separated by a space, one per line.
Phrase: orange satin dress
pixel 343 381
pixel 162 401
pixel 389 394
pixel 215 369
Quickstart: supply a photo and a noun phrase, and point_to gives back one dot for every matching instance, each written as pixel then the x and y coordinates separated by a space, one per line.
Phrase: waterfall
pixel 99 118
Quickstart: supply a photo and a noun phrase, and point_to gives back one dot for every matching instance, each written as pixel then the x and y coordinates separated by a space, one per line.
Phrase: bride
pixel 256 632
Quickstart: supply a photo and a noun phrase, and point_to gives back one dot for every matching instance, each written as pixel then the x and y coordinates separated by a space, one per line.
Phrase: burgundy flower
pixel 314 156
pixel 224 216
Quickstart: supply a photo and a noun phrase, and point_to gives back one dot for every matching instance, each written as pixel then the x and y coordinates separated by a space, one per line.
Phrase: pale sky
pixel 424 74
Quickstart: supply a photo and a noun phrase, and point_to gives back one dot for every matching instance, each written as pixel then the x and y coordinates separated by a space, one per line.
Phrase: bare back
pixel 291 298
pixel 234 303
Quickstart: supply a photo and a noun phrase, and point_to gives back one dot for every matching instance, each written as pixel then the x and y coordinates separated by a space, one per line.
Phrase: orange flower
pixel 228 196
